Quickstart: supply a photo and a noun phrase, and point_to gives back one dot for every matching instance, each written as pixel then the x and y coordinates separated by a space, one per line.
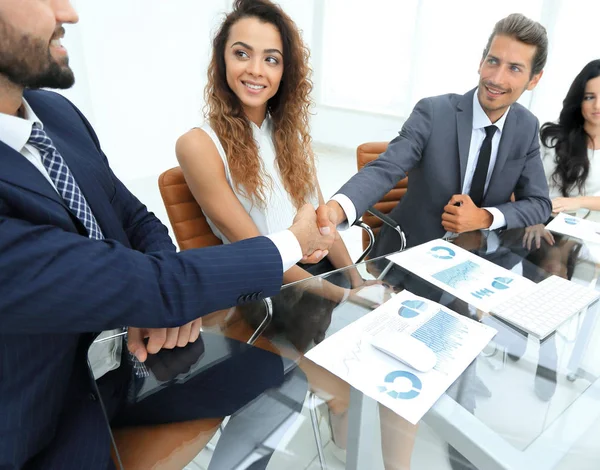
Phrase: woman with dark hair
pixel 571 147
pixel 250 166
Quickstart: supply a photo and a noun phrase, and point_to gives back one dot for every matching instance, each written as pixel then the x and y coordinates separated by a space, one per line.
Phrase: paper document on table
pixel 575 227
pixel 456 341
pixel 462 274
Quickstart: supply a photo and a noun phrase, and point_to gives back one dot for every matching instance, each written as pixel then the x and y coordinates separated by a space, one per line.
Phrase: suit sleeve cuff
pixel 348 208
pixel 288 246
pixel 498 219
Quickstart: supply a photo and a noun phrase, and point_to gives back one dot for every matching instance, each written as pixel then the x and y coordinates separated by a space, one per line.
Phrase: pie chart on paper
pixel 442 252
pixel 412 308
pixel 502 283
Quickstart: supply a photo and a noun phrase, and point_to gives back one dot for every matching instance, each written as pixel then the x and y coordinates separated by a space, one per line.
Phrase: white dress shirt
pixel 480 122
pixel 106 356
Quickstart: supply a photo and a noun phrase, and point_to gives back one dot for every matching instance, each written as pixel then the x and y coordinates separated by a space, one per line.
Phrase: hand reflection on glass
pixel 470 241
pixel 534 235
pixel 168 364
pixel 300 316
pixel 371 294
pixel 558 258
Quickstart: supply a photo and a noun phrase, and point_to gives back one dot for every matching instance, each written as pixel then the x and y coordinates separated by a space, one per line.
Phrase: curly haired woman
pixel 250 166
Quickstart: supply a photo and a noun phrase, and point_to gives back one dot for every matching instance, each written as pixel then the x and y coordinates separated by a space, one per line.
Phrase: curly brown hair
pixel 289 110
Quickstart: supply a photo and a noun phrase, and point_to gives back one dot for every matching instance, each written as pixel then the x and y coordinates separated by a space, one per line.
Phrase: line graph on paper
pixel 467 271
pixel 353 357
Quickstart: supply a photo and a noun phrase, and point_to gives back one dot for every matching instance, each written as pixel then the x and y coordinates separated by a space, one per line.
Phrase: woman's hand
pixel 566 204
pixel 535 233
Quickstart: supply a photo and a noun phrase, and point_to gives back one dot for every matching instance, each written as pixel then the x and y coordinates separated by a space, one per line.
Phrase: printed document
pixel 575 227
pixel 455 339
pixel 462 274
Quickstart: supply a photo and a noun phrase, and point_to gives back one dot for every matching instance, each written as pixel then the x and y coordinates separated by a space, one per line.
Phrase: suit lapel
pixel 505 146
pixel 17 170
pixel 72 139
pixel 464 129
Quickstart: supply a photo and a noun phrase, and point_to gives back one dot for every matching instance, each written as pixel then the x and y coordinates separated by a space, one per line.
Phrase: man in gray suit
pixel 466 154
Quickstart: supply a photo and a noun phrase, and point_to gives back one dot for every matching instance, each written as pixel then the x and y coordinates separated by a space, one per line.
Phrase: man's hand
pixel 161 338
pixel 315 233
pixel 566 204
pixel 333 211
pixel 462 215
pixel 536 233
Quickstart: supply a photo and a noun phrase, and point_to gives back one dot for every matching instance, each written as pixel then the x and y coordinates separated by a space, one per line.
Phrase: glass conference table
pixel 521 404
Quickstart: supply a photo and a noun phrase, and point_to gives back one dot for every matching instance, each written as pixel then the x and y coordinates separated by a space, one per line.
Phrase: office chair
pixel 191 230
pixel 376 215
pixel 164 446
pixel 176 445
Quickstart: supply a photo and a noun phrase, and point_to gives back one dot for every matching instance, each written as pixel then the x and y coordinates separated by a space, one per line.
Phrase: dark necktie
pixel 481 170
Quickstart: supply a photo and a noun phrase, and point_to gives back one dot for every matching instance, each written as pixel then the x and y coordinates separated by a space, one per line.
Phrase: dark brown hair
pixel 527 31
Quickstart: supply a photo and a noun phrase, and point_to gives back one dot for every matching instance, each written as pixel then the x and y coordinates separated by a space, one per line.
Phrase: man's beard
pixel 26 61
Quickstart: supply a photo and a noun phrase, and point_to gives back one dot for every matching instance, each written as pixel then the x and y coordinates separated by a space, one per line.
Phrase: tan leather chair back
pixel 189 224
pixel 366 153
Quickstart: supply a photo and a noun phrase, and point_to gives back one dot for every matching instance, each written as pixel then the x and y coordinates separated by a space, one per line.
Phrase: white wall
pixel 141 71
pixel 141 66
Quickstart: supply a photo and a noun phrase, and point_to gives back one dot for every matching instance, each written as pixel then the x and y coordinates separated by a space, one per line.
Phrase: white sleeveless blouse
pixel 279 212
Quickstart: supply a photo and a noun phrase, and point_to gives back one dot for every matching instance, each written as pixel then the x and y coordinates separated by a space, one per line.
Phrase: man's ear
pixel 534 81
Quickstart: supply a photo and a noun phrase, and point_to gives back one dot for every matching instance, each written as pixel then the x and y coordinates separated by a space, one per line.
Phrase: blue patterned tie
pixel 67 187
pixel 63 180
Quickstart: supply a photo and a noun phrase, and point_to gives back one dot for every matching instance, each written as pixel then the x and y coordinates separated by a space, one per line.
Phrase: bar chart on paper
pixel 444 334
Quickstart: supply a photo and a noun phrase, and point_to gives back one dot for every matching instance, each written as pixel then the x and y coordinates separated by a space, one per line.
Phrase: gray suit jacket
pixel 433 146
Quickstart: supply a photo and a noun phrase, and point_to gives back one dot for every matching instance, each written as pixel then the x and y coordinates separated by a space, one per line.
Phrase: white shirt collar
pixel 481 120
pixel 15 131
pixel 265 128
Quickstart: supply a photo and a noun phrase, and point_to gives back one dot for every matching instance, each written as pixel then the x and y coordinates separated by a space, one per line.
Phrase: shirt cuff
pixel 498 219
pixel 348 208
pixel 493 243
pixel 288 246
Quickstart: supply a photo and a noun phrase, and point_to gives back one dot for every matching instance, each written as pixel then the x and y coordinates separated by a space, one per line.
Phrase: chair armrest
pixel 391 223
pixel 366 228
pixel 266 321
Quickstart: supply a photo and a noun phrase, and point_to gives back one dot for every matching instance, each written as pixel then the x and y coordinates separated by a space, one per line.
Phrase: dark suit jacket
pixel 433 146
pixel 57 287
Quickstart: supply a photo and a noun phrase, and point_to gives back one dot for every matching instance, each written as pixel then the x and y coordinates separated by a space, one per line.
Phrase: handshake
pixel 316 230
